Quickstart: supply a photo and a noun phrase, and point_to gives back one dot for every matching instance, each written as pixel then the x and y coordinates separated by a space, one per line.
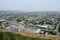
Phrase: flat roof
pixel 2 20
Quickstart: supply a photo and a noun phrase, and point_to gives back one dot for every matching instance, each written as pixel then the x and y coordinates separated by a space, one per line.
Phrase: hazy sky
pixel 30 5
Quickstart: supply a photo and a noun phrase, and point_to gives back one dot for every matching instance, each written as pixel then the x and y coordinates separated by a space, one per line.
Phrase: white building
pixel 31 29
pixel 21 27
pixel 38 28
pixel 15 26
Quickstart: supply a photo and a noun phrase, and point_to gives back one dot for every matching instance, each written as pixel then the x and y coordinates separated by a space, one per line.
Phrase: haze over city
pixel 30 5
pixel 29 19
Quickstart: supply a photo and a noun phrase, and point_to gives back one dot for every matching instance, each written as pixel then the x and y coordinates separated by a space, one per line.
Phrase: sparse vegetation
pixel 13 36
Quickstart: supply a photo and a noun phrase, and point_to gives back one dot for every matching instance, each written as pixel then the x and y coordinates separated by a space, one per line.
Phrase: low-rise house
pixel 38 28
pixel 12 27
pixel 15 27
pixel 1 23
pixel 20 27
pixel 31 29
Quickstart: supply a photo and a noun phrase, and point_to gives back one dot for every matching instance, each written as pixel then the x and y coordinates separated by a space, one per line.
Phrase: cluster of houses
pixel 21 27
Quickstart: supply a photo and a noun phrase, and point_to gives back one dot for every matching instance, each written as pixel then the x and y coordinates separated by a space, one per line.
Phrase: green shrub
pixel 13 36
pixel 53 33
